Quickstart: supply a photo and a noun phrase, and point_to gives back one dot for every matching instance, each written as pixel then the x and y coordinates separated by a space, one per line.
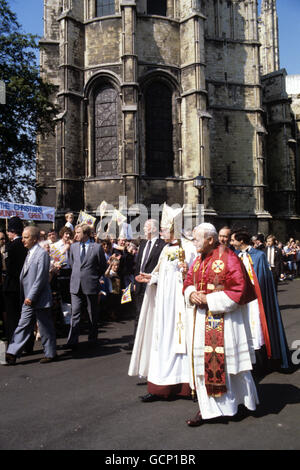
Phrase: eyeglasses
pixel 2 238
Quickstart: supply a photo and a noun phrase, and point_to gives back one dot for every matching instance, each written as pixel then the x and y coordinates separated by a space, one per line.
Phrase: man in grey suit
pixel 37 300
pixel 88 265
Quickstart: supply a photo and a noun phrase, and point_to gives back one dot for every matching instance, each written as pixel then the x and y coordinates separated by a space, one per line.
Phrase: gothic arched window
pixel 106 131
pixel 105 7
pixel 159 130
pixel 157 7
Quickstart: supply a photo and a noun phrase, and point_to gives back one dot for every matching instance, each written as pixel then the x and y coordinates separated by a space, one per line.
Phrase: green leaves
pixel 28 109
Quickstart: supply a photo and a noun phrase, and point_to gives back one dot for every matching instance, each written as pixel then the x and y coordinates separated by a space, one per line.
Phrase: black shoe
pixel 10 359
pixel 46 360
pixel 196 421
pixel 149 398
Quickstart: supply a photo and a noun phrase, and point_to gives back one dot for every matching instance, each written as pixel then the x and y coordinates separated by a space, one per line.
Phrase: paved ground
pixel 89 402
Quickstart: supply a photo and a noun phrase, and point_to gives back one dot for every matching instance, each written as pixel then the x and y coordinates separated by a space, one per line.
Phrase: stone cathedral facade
pixel 153 93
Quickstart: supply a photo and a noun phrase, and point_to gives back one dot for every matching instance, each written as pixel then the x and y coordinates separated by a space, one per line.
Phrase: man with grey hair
pixel 208 229
pixel 88 265
pixel 37 300
pixel 221 354
pixel 160 350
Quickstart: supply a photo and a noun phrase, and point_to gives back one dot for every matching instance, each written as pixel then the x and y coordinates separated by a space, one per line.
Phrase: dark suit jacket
pixel 87 274
pixel 16 254
pixel 151 263
pixel 278 260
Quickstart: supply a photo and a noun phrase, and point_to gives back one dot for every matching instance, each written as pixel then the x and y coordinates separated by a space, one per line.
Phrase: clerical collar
pixel 174 243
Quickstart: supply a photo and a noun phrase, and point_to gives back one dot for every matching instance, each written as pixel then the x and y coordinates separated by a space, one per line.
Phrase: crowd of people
pixel 221 285
pixel 120 255
pixel 290 253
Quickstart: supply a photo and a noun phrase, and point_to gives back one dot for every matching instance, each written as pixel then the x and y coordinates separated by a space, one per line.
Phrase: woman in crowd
pixel 62 250
pixel 107 248
pixel 114 296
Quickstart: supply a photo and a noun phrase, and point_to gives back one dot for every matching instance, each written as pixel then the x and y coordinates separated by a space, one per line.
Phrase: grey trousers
pixel 77 301
pixel 29 316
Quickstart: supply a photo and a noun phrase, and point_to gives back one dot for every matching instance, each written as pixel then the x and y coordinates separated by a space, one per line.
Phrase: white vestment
pixel 239 356
pixel 159 351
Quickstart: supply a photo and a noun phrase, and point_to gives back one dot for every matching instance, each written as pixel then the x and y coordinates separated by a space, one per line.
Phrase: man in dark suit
pixel 15 257
pixel 88 265
pixel 36 300
pixel 148 255
pixel 274 257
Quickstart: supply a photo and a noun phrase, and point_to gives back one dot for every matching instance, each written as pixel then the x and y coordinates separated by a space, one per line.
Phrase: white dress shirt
pixel 29 255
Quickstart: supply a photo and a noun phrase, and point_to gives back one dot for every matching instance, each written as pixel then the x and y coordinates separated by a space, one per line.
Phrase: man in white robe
pixel 160 352
pixel 217 288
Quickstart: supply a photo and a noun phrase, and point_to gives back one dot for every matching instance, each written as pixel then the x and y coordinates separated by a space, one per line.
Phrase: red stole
pixel 212 273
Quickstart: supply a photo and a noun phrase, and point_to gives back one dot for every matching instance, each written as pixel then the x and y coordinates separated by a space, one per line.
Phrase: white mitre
pixel 169 215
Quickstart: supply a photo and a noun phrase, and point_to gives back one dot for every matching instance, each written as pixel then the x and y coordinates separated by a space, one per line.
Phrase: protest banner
pixel 85 218
pixel 27 212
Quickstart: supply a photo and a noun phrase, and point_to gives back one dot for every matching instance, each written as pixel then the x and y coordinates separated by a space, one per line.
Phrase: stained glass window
pixel 106 132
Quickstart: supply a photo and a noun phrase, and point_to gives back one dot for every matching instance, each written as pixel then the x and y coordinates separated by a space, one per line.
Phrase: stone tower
pixel 152 94
pixel 269 36
pixel 280 152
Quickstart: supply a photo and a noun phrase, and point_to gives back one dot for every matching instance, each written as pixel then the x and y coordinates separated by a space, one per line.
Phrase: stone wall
pixel 207 52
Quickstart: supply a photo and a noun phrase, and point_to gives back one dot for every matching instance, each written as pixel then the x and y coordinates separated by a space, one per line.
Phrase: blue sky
pixel 30 15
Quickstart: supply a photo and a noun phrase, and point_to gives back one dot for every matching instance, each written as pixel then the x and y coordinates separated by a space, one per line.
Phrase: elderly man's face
pixel 28 239
pixel 166 234
pixel 224 236
pixel 149 228
pixel 203 244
